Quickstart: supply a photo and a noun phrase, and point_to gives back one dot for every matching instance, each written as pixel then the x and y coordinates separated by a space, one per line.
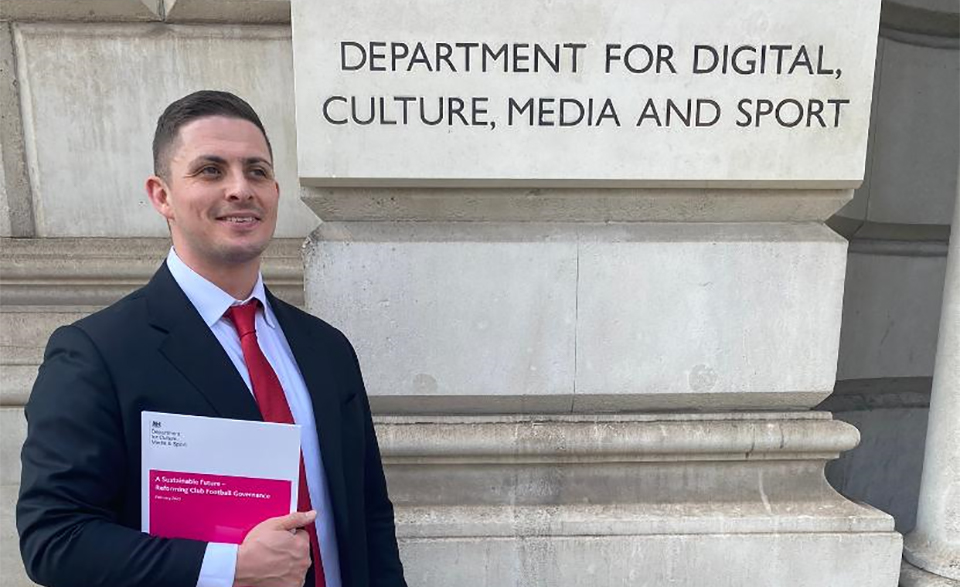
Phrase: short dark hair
pixel 192 107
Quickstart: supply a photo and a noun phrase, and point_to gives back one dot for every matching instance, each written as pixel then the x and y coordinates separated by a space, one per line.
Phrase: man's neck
pixel 237 280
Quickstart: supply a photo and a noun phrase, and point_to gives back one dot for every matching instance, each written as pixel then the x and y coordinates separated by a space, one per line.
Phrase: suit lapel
pixel 319 375
pixel 195 351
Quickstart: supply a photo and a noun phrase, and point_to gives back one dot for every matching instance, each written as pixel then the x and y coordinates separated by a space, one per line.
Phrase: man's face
pixel 220 196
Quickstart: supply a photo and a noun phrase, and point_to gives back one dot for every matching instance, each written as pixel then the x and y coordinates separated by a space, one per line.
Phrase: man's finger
pixel 295 520
pixel 302 535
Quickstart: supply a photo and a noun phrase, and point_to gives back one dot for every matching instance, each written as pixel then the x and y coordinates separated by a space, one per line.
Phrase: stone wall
pixel 81 84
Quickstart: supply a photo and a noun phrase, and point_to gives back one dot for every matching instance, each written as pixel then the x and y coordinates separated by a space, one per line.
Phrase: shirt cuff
pixel 219 565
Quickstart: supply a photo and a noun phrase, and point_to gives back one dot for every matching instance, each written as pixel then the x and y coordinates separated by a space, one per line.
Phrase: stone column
pixel 932 550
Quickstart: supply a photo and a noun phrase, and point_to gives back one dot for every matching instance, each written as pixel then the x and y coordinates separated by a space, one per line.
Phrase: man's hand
pixel 276 552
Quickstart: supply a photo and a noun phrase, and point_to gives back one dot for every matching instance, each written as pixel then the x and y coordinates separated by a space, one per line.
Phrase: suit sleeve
pixel 383 555
pixel 73 482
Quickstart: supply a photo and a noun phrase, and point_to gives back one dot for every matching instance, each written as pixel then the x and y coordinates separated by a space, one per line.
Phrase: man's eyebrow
pixel 255 160
pixel 222 161
pixel 208 158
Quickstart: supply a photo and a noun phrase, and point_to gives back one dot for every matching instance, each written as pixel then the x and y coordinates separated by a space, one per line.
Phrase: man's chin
pixel 242 255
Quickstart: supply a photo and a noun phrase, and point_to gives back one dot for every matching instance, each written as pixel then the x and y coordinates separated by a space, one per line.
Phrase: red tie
pixel 273 406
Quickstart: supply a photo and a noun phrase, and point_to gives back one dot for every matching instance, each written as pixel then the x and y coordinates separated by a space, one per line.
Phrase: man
pixel 182 345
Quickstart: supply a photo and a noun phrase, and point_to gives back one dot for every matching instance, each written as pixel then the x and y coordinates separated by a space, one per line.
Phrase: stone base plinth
pixel 936 557
pixel 911 576
pixel 671 499
pixel 718 560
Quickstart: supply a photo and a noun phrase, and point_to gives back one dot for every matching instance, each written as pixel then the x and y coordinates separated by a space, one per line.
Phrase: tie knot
pixel 243 317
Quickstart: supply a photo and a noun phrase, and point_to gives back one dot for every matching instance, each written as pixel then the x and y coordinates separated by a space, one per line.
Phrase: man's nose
pixel 238 186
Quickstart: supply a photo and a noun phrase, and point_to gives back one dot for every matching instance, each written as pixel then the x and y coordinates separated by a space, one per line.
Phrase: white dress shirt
pixel 211 302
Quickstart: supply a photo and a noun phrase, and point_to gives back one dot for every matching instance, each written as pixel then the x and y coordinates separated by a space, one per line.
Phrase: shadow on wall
pixel 884 470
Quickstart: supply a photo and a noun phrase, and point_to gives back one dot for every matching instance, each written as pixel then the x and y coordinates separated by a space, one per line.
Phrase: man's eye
pixel 260 172
pixel 208 170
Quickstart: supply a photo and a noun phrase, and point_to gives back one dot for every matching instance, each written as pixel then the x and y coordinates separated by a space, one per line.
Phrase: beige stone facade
pixel 624 440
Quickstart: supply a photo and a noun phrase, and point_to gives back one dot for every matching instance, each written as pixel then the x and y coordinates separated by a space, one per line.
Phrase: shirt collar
pixel 209 300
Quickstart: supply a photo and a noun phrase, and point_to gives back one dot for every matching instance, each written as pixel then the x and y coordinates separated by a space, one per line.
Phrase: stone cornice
pixel 857 395
pixel 896 15
pixel 397 204
pixel 98 271
pixel 478 440
pixel 222 11
pixel 892 239
pixel 922 22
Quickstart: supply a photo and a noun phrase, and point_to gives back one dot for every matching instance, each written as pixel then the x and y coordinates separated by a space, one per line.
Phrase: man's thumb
pixel 296 520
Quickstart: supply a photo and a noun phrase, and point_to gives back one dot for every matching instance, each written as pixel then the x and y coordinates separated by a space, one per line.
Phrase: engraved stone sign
pixel 583 93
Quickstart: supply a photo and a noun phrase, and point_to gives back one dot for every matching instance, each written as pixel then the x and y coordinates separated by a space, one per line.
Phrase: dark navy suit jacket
pixel 78 512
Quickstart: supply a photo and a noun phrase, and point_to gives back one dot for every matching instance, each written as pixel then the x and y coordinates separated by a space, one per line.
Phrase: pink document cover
pixel 213 508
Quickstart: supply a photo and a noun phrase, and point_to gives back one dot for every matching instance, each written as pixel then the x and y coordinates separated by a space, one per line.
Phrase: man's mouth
pixel 239 218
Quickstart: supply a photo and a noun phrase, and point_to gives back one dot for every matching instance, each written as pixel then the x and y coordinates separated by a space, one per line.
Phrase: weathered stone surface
pixel 934 545
pixel 745 515
pixel 88 133
pixel 892 311
pixel 13 573
pixel 538 151
pixel 618 500
pixel 884 469
pixel 894 239
pixel 718 311
pixel 458 476
pixel 913 168
pixel 629 493
pixel 93 10
pixel 24 331
pixel 16 209
pixel 453 316
pixel 930 18
pixel 48 283
pixel 568 205
pixel 5 224
pixel 8 111
pixel 720 560
pixel 17 383
pixel 95 272
pixel 912 143
pixel 911 576
pixel 249 11
pixel 944 7
pixel 615 438
pixel 12 433
pixel 450 312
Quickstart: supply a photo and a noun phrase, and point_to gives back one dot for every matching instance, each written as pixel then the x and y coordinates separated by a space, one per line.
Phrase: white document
pixel 213 479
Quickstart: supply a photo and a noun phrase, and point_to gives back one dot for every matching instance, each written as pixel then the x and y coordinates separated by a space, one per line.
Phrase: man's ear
pixel 159 195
